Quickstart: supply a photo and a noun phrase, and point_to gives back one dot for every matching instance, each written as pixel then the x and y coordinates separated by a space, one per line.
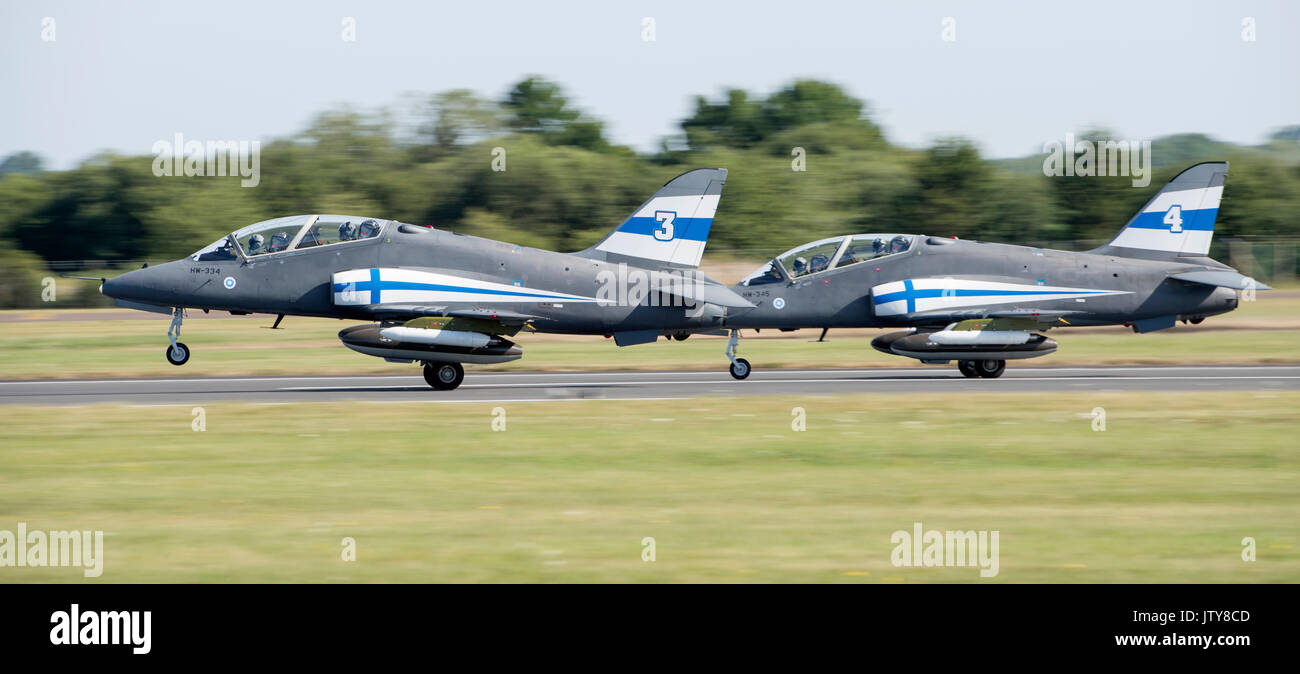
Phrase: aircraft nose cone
pixel 112 287
pixel 125 287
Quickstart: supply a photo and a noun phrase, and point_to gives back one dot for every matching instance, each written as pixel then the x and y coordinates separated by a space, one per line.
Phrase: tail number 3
pixel 664 232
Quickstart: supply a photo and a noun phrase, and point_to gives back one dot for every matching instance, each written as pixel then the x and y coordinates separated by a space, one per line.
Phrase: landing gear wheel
pixel 179 354
pixel 990 369
pixel 444 376
pixel 967 368
pixel 681 336
pixel 740 368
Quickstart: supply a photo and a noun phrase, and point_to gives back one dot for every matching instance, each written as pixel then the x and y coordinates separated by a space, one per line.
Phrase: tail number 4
pixel 664 232
pixel 1174 218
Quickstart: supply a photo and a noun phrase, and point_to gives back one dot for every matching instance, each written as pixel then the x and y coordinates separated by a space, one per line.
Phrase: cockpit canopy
pixel 295 232
pixel 827 254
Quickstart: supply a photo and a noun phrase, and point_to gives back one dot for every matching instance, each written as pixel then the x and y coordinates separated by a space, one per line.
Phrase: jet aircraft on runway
pixel 982 304
pixel 443 299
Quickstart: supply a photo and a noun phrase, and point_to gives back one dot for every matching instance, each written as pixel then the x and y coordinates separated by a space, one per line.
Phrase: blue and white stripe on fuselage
pixel 1176 221
pixel 898 298
pixel 361 287
pixel 672 230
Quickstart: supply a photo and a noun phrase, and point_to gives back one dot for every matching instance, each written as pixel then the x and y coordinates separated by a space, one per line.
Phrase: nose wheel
pixel 444 376
pixel 177 352
pixel 739 366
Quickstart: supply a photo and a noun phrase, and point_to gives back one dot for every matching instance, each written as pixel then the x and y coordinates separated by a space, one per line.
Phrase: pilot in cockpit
pixel 279 241
pixel 347 231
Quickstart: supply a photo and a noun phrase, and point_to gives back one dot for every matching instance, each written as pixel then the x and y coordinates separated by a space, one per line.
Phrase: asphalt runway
pixel 550 386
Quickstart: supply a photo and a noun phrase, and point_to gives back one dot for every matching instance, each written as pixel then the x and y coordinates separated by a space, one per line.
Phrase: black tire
pixel 740 368
pixel 967 368
pixel 179 355
pixel 990 369
pixel 681 336
pixel 444 376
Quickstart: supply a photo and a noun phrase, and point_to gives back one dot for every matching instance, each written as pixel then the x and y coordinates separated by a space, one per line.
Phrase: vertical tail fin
pixel 1178 220
pixel 671 228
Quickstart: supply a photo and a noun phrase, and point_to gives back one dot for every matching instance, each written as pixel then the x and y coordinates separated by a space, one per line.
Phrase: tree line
pixel 429 159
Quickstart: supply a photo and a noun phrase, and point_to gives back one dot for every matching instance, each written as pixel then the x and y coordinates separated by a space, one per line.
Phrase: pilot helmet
pixel 347 231
pixel 878 246
pixel 279 240
pixel 898 245
pixel 255 243
pixel 800 265
pixel 368 229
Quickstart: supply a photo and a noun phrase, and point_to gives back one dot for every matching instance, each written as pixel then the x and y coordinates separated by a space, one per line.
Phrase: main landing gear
pixel 988 369
pixel 444 376
pixel 739 366
pixel 177 352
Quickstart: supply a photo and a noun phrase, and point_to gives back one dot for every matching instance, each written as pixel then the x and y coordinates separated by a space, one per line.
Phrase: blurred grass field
pixel 727 490
pixel 99 343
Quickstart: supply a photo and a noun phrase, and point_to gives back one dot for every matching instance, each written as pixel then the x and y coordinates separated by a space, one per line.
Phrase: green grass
pixel 727 489
pixel 1259 332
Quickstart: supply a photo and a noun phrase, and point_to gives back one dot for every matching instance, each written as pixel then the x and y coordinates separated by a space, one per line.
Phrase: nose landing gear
pixel 739 366
pixel 177 352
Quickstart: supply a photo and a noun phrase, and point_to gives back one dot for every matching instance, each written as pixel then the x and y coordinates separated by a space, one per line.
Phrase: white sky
pixel 121 74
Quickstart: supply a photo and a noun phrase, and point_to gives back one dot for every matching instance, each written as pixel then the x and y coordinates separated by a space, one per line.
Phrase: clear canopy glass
pixel 828 254
pixel 294 232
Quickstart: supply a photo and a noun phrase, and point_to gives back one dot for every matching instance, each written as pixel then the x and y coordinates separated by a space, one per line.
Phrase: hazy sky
pixel 120 75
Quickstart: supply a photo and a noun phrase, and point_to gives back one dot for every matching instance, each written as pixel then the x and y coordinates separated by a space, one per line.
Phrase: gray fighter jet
pixel 982 304
pixel 441 298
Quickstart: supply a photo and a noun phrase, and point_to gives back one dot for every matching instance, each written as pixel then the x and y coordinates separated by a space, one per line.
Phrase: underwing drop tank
pixel 400 343
pixel 948 344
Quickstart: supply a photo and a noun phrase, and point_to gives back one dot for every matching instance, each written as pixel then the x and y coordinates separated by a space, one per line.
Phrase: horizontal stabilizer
pixel 698 290
pixel 1221 279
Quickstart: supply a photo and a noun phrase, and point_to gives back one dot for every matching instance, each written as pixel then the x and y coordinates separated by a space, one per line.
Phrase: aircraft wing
pixel 1042 317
